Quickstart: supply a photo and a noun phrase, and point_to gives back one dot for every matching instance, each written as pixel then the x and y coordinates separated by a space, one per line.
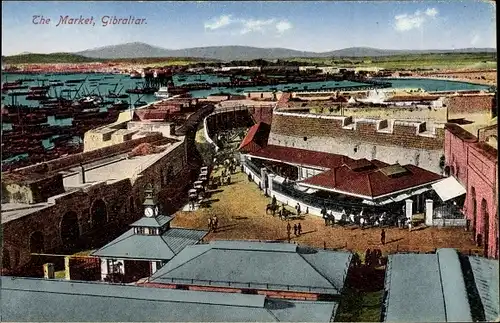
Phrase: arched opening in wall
pixel 70 230
pixel 447 171
pixel 99 213
pixel 486 225
pixel 36 242
pixel 474 210
pixel 5 258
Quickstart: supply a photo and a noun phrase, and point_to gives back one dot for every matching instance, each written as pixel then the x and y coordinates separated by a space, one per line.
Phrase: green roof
pixel 154 222
pixel 258 265
pixel 426 288
pixel 486 276
pixel 150 247
pixel 40 300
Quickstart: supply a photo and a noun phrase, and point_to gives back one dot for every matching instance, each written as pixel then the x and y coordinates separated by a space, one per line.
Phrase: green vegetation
pixel 47 58
pixel 399 62
pixel 73 58
pixel 357 306
pixel 414 61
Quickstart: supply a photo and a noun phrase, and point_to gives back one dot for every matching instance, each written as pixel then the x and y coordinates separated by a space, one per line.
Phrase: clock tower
pixel 150 204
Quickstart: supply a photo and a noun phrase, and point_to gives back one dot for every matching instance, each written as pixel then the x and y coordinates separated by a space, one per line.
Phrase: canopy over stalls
pixel 448 188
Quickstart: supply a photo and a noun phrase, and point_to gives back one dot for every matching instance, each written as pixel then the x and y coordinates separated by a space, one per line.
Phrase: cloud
pixel 406 22
pixel 283 26
pixel 217 23
pixel 244 26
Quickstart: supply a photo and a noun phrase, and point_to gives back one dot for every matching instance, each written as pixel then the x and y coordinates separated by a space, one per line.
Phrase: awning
pixel 448 188
pixel 279 179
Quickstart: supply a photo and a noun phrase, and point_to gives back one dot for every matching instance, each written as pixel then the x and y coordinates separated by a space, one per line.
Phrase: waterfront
pixel 121 82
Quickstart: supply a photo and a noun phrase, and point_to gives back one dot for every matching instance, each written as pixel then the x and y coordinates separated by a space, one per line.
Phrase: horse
pixel 272 207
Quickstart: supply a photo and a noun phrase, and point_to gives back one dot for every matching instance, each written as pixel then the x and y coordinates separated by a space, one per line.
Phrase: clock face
pixel 149 212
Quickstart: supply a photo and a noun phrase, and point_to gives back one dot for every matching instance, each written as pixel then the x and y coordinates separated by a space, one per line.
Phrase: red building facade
pixel 475 165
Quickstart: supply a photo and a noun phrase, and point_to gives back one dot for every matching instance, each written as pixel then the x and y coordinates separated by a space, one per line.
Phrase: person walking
pixel 274 201
pixel 325 216
pixel 299 229
pixel 209 224
pixel 331 218
pixel 295 229
pixel 215 223
pixel 382 237
pixel 297 207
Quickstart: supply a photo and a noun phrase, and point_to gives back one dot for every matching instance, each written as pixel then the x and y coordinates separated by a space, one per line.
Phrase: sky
pixel 300 25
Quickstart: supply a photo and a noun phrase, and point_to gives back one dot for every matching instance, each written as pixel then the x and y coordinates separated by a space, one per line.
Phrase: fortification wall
pixel 85 157
pixel 123 200
pixel 422 113
pixel 470 103
pixel 391 142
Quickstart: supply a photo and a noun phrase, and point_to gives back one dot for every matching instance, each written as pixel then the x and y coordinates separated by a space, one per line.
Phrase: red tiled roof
pixel 372 182
pixel 256 138
pixel 301 156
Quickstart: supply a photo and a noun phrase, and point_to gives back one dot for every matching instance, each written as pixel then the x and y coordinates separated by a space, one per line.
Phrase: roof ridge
pixel 184 263
pixel 320 273
pixel 368 175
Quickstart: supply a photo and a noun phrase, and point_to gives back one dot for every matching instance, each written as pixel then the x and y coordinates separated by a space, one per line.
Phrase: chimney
pixel 81 174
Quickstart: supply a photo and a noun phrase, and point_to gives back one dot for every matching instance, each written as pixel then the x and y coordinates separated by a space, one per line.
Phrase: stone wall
pixel 470 103
pixel 85 157
pixel 391 142
pixel 421 113
pixel 487 132
pixel 36 191
pixel 477 172
pixel 123 200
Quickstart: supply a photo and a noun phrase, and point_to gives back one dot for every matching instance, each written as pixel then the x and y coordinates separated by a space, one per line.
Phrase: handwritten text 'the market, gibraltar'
pixel 105 20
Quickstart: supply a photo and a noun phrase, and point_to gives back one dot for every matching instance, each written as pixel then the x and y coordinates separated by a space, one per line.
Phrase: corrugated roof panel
pixel 414 289
pixel 454 290
pixel 486 275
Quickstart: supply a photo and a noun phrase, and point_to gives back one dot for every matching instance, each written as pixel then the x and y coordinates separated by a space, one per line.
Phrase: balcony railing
pixel 251 285
pixel 253 167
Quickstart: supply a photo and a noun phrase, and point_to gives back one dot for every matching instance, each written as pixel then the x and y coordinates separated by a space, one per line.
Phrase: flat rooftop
pixel 113 169
pixel 13 211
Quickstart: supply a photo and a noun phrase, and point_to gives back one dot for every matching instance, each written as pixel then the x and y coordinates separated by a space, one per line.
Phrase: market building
pixel 148 245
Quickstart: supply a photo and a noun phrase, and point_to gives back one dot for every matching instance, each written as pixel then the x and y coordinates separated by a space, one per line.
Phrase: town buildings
pixel 146 247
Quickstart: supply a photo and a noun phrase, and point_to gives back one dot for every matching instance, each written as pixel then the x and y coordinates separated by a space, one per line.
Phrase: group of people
pixel 297 229
pixel 213 223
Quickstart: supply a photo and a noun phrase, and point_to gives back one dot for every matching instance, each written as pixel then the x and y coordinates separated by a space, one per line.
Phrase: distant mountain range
pixel 229 53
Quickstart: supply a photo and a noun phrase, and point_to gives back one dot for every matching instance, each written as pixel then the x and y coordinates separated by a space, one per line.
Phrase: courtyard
pixel 240 208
